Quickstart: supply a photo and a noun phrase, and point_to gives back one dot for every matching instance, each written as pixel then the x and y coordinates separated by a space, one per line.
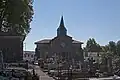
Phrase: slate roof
pixel 43 41
pixel 48 40
pixel 75 41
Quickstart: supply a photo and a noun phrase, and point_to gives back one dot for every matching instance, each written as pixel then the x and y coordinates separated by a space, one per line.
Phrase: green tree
pixel 15 16
pixel 93 46
pixel 105 48
pixel 111 51
pixel 116 57
pixel 112 47
pixel 118 47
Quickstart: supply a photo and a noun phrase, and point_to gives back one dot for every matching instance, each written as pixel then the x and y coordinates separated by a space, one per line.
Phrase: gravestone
pixel 103 65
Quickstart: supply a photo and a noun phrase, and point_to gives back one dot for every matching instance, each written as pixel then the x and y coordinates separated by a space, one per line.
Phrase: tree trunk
pixel 0 24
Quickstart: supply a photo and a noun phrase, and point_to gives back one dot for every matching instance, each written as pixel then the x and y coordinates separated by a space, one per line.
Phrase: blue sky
pixel 84 19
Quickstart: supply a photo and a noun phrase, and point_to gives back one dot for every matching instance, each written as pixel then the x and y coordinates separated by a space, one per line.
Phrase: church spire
pixel 61 31
pixel 62 22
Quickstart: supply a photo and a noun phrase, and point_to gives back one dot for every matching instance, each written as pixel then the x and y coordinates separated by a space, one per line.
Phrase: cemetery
pixel 16 71
pixel 61 57
pixel 60 72
pixel 66 61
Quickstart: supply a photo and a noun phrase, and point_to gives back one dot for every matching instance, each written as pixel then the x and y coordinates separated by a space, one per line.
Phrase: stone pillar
pixel 109 64
pixel 1 60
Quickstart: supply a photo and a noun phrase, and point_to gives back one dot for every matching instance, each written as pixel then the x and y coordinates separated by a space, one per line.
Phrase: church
pixel 62 45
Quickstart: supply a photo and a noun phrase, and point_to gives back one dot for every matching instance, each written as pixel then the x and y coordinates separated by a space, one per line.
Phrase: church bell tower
pixel 61 31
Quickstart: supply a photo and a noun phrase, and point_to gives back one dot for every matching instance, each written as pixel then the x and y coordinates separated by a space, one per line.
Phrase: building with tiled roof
pixel 62 45
pixel 48 41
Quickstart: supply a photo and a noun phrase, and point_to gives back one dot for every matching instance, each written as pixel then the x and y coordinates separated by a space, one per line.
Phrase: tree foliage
pixel 118 47
pixel 92 46
pixel 112 50
pixel 105 48
pixel 15 16
pixel 112 47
